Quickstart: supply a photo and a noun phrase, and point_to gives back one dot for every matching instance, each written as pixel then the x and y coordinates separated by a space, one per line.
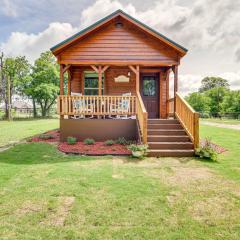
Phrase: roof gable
pixel 62 45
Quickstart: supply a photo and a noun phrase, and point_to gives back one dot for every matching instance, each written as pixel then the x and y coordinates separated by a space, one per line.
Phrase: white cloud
pixel 31 45
pixel 8 8
pixel 205 24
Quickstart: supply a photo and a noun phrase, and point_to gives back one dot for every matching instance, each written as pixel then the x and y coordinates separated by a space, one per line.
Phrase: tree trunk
pixel 34 108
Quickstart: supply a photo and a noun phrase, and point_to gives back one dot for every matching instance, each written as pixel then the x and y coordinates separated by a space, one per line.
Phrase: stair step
pixel 169 132
pixel 170 145
pixel 168 138
pixel 164 126
pixel 163 121
pixel 170 153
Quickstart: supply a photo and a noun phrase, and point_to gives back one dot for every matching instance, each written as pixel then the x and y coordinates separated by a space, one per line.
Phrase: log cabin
pixel 114 82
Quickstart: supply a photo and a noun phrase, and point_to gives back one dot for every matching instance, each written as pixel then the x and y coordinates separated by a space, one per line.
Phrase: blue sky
pixel 209 29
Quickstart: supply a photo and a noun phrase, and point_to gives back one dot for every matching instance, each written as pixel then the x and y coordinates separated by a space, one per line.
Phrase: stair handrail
pixel 142 117
pixel 188 118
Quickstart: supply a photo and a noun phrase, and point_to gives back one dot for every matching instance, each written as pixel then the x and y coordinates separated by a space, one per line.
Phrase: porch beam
pixel 94 68
pixel 66 68
pixel 105 68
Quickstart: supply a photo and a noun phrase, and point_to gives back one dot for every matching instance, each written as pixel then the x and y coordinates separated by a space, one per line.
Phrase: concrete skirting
pixel 98 129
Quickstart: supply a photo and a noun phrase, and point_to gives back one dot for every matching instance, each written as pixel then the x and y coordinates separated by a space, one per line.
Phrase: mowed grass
pixel 48 195
pixel 45 194
pixel 229 162
pixel 14 131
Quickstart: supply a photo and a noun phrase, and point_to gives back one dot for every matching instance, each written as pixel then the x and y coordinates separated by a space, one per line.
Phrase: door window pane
pixel 149 86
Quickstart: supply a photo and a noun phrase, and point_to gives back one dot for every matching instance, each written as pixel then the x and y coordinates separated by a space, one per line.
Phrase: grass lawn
pixel 49 195
pixel 229 162
pixel 11 132
pixel 224 121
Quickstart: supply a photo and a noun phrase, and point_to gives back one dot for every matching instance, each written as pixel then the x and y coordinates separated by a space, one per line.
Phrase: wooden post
pixel 137 72
pixel 69 82
pixel 196 130
pixel 175 70
pixel 61 80
pixel 100 80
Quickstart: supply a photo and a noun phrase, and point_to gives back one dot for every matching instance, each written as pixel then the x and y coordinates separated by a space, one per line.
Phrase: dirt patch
pixel 57 218
pixel 28 207
pixel 215 210
pixel 55 137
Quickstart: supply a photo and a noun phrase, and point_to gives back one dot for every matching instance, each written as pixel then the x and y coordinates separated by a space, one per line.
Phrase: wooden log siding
pixel 188 118
pixel 95 105
pixel 142 118
pixel 111 45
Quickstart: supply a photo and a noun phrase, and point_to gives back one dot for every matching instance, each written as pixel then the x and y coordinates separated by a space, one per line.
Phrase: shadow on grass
pixel 41 153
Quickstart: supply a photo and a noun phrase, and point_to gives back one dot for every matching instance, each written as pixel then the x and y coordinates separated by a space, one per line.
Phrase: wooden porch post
pixel 100 80
pixel 137 72
pixel 99 70
pixel 175 71
pixel 69 82
pixel 61 80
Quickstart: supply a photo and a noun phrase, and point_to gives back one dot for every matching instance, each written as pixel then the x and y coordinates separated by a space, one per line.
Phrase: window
pixel 149 86
pixel 91 83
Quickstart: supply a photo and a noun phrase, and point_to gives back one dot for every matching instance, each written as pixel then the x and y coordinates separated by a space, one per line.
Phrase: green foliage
pixel 200 102
pixel 207 151
pixel 46 136
pixel 43 83
pixel 138 151
pixel 71 140
pixel 109 142
pixel 121 141
pixel 213 82
pixel 89 141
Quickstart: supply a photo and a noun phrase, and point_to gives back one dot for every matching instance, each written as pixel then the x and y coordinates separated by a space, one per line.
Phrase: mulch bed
pixel 54 133
pixel 216 147
pixel 99 148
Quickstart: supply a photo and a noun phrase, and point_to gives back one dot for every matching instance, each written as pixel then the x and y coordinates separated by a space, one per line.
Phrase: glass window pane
pixel 91 83
pixel 149 86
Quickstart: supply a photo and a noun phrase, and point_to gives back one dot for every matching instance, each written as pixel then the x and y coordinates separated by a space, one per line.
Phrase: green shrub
pixel 71 140
pixel 207 151
pixel 109 142
pixel 138 151
pixel 46 136
pixel 121 141
pixel 89 141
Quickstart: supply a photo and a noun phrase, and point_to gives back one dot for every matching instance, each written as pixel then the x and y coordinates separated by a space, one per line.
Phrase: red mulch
pixel 99 148
pixel 55 134
pixel 216 147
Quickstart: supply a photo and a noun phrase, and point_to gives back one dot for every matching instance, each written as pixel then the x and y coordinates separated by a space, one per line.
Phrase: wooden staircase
pixel 167 138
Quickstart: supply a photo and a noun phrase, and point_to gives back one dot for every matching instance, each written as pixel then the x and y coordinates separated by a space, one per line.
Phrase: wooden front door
pixel 149 87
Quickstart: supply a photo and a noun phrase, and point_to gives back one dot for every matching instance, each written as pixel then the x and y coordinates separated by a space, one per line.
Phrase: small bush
pixel 89 141
pixel 121 141
pixel 207 151
pixel 138 151
pixel 71 140
pixel 46 136
pixel 109 142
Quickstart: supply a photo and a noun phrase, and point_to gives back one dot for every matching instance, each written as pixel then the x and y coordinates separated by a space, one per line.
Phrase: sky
pixel 209 29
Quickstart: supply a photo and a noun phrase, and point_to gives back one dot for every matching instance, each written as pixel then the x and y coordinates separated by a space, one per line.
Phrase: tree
pixel 42 86
pixel 14 70
pixel 216 96
pixel 213 82
pixel 231 102
pixel 199 101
